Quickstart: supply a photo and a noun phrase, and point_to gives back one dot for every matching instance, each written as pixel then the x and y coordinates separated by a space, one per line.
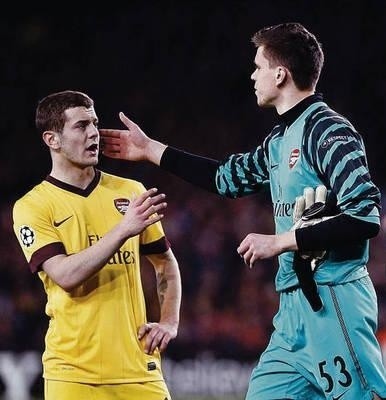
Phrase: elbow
pixel 373 230
pixel 359 229
pixel 67 284
pixel 63 273
pixel 67 287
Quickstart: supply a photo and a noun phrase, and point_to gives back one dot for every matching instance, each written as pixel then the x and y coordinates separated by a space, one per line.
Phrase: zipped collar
pixel 293 113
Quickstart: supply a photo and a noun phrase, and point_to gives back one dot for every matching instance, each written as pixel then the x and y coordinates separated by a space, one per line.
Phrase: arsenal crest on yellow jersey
pixel 121 205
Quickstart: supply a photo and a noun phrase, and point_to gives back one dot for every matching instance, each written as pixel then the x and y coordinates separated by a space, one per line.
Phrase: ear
pixel 51 139
pixel 281 75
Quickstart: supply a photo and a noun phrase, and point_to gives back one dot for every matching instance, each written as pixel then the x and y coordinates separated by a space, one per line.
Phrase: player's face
pixel 266 89
pixel 79 140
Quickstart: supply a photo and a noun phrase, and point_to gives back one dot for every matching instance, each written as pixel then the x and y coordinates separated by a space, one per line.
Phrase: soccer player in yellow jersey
pixel 83 231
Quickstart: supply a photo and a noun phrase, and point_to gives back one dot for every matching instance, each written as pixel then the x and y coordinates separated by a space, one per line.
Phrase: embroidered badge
pixel 327 142
pixel 121 205
pixel 293 158
pixel 27 236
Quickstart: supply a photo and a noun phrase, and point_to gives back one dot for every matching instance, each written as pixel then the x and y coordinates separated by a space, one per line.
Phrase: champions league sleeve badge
pixel 27 236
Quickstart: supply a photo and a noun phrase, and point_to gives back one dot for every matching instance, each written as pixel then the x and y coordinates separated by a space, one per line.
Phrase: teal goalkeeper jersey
pixel 311 145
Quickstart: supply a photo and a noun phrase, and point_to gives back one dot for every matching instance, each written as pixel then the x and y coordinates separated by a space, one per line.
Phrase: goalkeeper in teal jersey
pixel 324 344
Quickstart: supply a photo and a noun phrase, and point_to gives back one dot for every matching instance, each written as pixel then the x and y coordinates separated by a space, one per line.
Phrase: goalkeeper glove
pixel 311 209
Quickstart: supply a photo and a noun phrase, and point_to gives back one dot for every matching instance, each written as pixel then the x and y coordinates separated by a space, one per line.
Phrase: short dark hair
pixel 50 110
pixel 293 46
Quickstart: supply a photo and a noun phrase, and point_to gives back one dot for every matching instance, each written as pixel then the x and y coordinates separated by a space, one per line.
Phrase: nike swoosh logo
pixel 340 396
pixel 58 223
pixel 274 166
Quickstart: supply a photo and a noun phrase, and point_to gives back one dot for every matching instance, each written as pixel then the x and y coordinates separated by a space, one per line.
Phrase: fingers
pixel 309 195
pixel 145 196
pixel 154 209
pixel 249 258
pixel 246 253
pixel 242 248
pixel 314 196
pixel 156 336
pixel 142 212
pixel 110 142
pixel 257 247
pixel 310 198
pixel 321 194
pixel 164 343
pixel 143 329
pixel 111 150
pixel 149 203
pixel 300 206
pixel 110 133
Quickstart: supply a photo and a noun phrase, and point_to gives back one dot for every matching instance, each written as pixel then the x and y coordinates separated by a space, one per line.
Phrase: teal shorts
pixel 330 354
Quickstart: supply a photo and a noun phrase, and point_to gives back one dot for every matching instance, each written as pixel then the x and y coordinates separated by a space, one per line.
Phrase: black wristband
pixel 197 170
pixel 333 233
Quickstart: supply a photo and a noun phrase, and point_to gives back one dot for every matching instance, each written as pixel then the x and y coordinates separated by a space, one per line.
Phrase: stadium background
pixel 182 71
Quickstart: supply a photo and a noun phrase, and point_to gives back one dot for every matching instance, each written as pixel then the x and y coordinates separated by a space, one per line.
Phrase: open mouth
pixel 93 148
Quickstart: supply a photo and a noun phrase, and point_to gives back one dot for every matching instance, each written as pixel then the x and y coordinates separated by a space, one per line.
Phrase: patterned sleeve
pixel 340 158
pixel 243 173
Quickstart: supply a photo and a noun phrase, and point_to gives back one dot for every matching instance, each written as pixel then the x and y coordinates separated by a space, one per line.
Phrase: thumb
pixel 125 119
pixel 143 329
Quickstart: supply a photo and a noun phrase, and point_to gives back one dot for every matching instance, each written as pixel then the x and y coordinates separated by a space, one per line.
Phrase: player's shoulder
pixel 118 182
pixel 34 196
pixel 325 120
pixel 323 112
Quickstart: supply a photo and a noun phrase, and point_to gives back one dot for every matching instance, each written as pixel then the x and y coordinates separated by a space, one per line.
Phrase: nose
pixel 253 76
pixel 93 131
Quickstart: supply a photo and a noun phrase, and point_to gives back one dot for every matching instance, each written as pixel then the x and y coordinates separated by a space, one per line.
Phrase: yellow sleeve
pixel 35 232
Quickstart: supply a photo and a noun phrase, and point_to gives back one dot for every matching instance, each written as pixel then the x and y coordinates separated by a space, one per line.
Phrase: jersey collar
pixel 293 113
pixel 74 189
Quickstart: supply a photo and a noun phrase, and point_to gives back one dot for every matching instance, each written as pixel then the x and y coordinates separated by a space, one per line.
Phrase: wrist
pixel 121 232
pixel 287 241
pixel 155 151
pixel 172 322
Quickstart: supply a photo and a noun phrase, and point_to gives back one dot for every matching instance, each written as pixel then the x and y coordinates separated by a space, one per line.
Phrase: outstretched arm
pixel 134 145
pixel 130 144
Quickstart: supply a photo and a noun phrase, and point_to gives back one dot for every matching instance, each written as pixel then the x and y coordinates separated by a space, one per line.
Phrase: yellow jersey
pixel 92 332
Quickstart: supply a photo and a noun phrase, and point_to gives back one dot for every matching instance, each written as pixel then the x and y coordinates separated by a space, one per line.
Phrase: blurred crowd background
pixel 181 70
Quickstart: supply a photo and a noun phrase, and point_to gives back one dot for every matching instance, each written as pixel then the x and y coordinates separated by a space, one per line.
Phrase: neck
pixel 290 98
pixel 78 177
